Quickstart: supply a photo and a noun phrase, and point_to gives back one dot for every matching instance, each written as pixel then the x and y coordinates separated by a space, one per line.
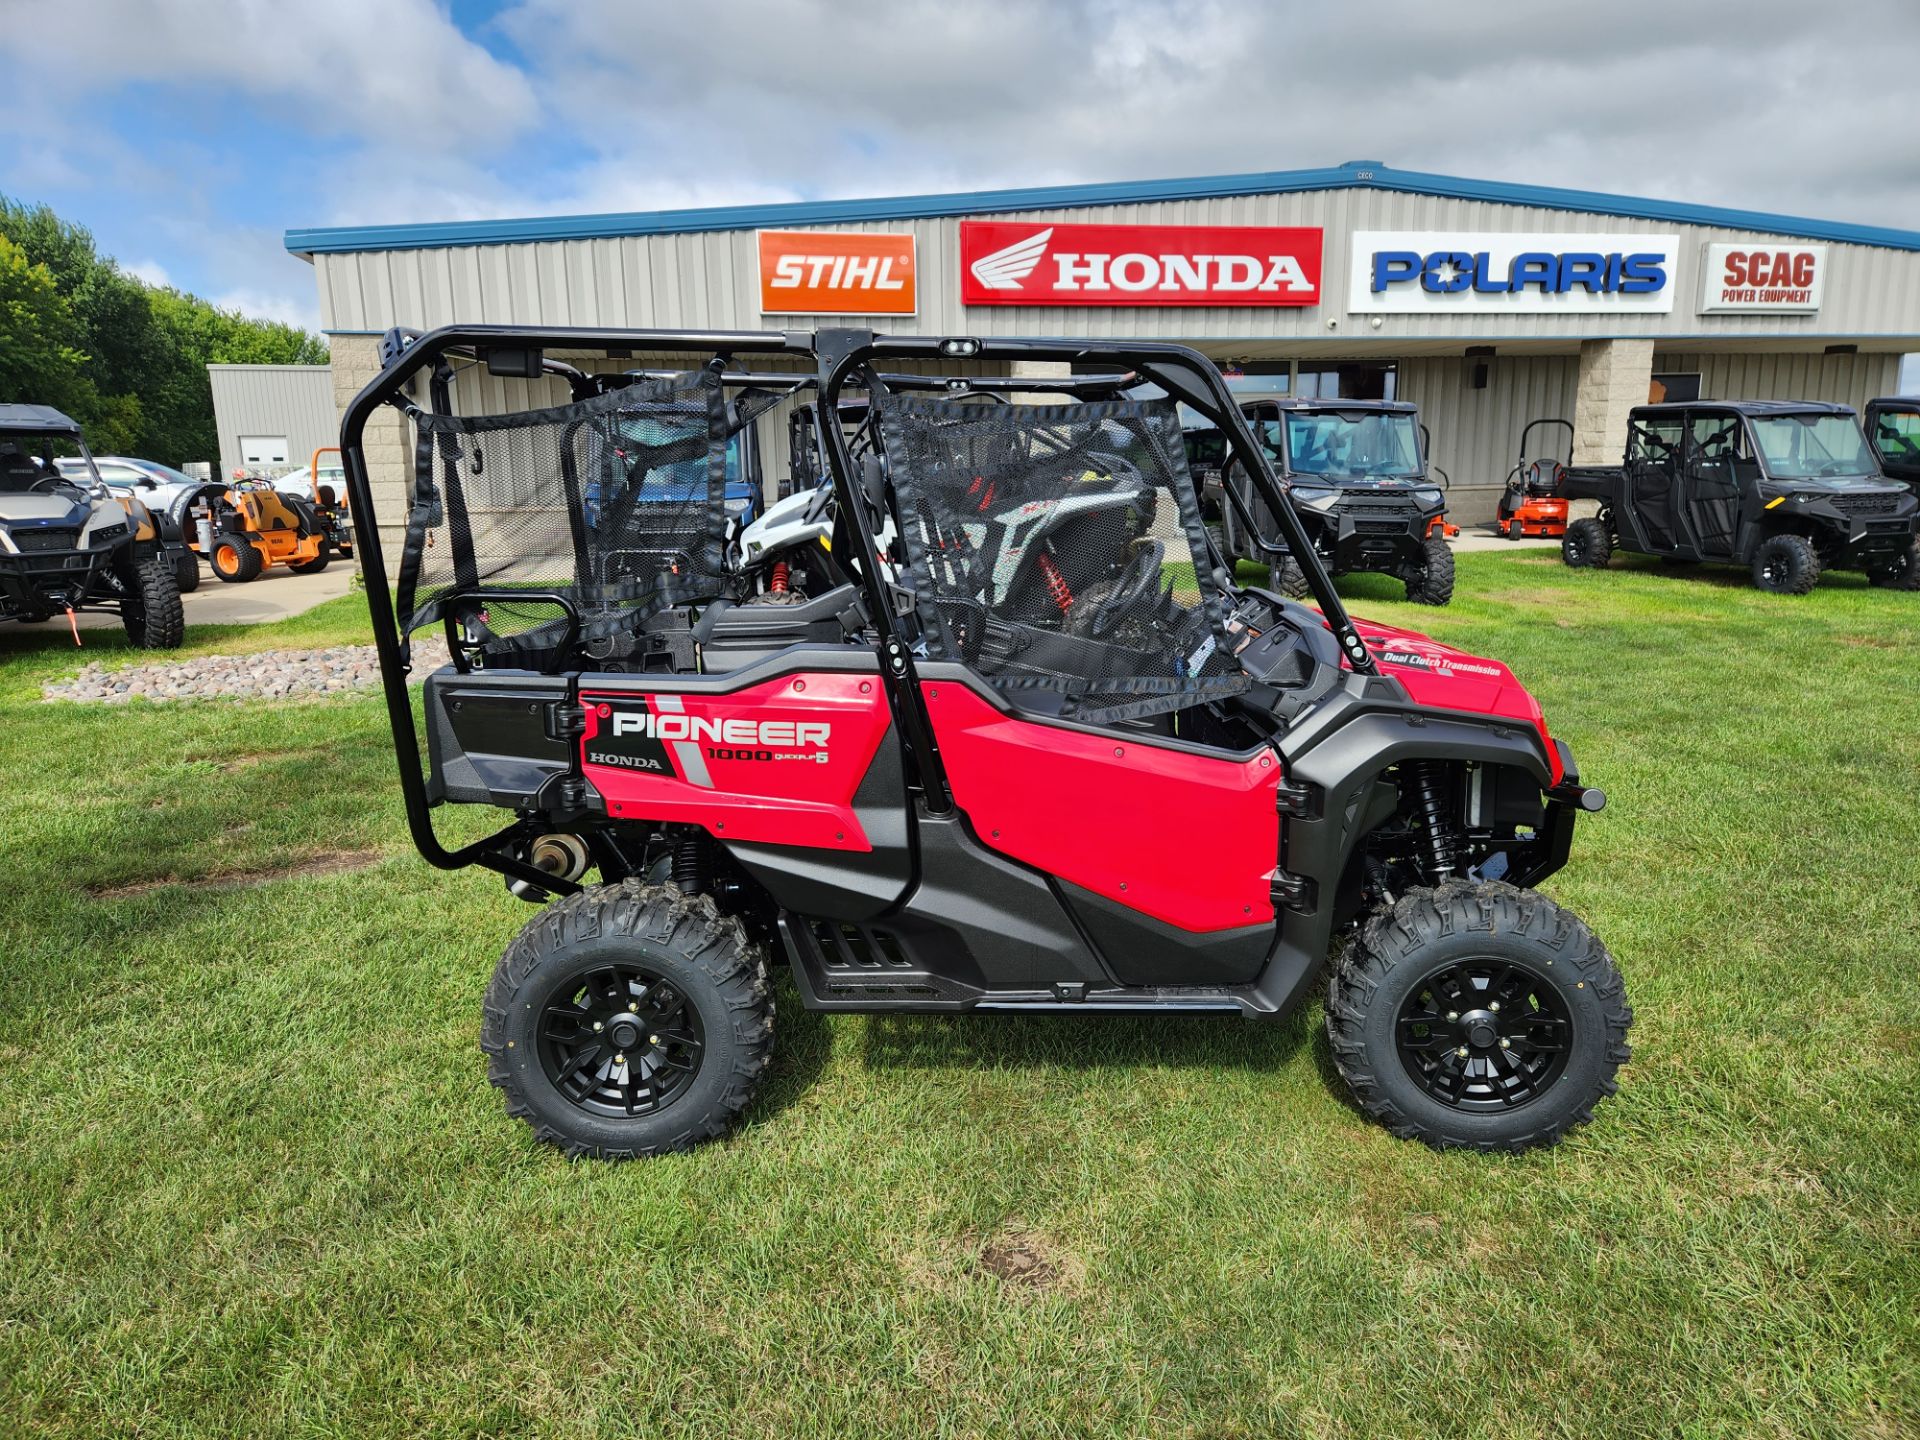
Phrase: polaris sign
pixel 1435 272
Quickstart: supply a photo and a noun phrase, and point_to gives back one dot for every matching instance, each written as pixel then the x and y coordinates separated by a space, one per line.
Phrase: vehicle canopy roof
pixel 1191 419
pixel 36 420
pixel 1758 409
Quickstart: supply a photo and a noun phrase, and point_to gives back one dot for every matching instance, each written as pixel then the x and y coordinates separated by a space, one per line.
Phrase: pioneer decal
pixel 730 731
pixel 1013 263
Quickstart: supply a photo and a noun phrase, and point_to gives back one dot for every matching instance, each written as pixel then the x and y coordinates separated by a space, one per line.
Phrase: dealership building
pixel 1486 304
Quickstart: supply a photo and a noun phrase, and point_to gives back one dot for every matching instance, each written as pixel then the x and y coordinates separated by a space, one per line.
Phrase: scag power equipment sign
pixel 810 272
pixel 1023 263
pixel 1433 272
pixel 1762 277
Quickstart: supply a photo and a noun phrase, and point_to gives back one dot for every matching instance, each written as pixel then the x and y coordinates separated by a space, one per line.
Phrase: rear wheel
pixel 1288 578
pixel 1902 572
pixel 1587 545
pixel 1481 1016
pixel 150 605
pixel 1432 583
pixel 1786 565
pixel 186 572
pixel 311 567
pixel 236 559
pixel 628 1020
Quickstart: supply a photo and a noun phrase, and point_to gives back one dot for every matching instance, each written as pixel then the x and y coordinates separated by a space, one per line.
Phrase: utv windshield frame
pixel 842 360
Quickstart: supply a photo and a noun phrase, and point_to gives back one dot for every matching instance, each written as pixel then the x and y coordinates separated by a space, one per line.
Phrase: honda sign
pixel 1026 263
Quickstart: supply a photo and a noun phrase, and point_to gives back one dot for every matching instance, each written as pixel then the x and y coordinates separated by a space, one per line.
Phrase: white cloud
pixel 294 309
pixel 152 272
pixel 354 67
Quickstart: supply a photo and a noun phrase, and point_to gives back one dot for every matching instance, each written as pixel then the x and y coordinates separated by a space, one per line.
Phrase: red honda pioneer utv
pixel 1043 757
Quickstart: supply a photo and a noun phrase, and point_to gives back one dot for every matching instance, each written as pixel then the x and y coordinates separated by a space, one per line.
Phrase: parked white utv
pixel 69 543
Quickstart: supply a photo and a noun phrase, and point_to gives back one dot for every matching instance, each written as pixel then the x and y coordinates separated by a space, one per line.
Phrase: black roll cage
pixel 839 355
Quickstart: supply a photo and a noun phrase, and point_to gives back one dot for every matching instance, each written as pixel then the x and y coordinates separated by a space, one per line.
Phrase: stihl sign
pixel 1021 263
pixel 810 272
pixel 1762 277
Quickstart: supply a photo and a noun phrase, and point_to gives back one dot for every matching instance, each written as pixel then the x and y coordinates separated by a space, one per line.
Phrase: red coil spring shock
pixel 778 584
pixel 1056 584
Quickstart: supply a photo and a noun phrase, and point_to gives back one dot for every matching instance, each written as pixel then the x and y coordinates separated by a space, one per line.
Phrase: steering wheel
pixel 1138 581
pixel 45 480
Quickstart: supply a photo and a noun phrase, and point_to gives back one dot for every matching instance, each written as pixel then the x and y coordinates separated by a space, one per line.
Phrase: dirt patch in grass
pixel 327 862
pixel 1872 642
pixel 1023 1259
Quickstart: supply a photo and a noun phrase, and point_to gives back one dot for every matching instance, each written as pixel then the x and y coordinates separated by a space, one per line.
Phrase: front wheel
pixel 628 1020
pixel 1786 565
pixel 1432 583
pixel 150 609
pixel 1288 578
pixel 1481 1016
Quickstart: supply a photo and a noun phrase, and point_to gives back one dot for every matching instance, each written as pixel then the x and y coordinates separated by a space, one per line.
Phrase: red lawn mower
pixel 1015 742
pixel 1534 504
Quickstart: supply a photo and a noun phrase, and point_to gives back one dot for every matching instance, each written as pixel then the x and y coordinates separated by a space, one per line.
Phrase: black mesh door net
pixel 616 502
pixel 1058 549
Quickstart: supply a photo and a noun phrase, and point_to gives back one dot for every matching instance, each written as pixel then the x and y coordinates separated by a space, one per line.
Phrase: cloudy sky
pixel 191 135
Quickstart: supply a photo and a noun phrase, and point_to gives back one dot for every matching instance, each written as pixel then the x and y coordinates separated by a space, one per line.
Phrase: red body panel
pixel 1188 839
pixel 776 764
pixel 1441 676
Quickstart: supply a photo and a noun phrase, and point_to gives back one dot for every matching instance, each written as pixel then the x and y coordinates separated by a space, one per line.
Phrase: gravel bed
pixel 263 675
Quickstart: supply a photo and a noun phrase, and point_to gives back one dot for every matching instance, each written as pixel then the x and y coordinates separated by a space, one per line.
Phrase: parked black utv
pixel 1357 472
pixel 1787 488
pixel 1893 431
pixel 69 543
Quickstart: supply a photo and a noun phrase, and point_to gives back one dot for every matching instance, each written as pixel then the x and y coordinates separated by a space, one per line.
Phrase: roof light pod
pixel 959 347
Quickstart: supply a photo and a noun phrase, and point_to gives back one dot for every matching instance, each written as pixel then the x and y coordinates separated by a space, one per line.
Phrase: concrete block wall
pixel 1614 377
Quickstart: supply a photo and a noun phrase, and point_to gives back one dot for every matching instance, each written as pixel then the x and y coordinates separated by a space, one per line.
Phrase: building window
pixel 1676 386
pixel 1346 382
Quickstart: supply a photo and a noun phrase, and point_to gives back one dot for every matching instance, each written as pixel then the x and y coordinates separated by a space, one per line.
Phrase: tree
pixel 126 359
pixel 39 364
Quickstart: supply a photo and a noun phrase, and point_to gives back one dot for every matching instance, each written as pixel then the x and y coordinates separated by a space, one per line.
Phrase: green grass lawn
pixel 254 1181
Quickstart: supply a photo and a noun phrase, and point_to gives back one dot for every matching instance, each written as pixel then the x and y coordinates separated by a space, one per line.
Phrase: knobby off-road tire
pixel 1288 578
pixel 1903 573
pixel 1587 545
pixel 1513 948
pixel 235 558
pixel 186 572
pixel 1433 584
pixel 1786 565
pixel 681 968
pixel 150 608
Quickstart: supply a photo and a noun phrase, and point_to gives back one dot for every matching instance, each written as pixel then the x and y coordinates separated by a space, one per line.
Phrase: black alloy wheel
pixel 1483 1034
pixel 619 1040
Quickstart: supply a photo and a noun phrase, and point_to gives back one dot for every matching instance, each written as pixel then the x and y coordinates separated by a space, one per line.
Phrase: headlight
pixel 738 507
pixel 1427 494
pixel 1316 499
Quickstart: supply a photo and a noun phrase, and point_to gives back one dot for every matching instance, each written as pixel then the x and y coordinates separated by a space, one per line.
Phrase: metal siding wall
pixel 1475 433
pixel 291 400
pixel 710 279
pixel 1837 379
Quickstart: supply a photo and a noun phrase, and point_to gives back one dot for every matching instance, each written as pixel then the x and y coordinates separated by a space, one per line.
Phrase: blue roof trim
pixel 1352 175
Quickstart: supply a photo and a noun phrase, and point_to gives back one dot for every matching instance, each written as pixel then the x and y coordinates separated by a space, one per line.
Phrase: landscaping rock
pixel 266 675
